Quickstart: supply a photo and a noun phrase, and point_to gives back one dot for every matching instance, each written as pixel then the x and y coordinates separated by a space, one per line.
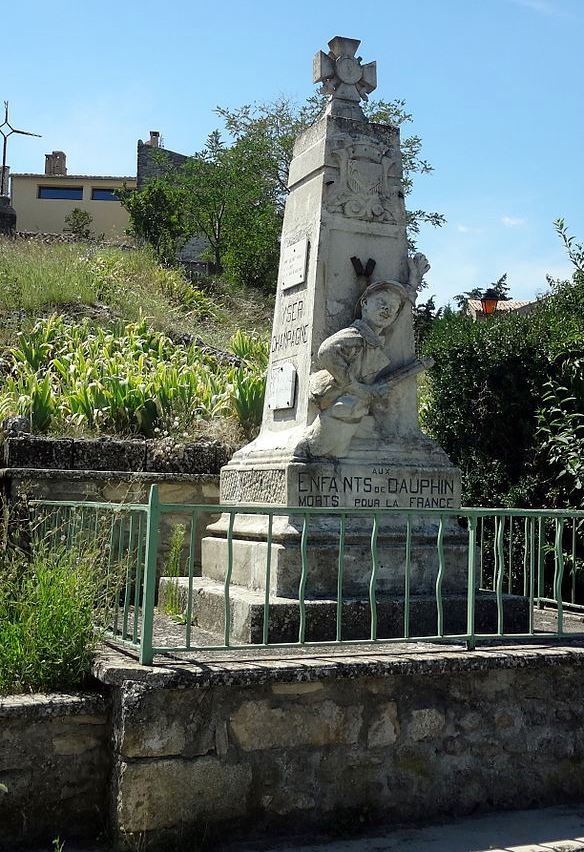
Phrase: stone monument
pixel 340 425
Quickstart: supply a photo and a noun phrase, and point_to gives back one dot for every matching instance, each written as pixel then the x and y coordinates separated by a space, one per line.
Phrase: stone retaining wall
pixel 112 470
pixel 20 485
pixel 55 762
pixel 223 749
pixel 298 745
pixel 112 454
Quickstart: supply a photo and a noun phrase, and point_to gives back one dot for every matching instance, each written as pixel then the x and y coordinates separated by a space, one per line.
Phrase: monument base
pixel 247 614
pixel 249 548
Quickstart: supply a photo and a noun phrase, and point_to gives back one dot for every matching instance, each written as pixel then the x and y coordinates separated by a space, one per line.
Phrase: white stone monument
pixel 340 425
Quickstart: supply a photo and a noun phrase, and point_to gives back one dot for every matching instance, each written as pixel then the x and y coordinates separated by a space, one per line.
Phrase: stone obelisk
pixel 340 425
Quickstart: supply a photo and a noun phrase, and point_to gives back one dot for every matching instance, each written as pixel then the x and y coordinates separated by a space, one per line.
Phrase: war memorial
pixel 297 699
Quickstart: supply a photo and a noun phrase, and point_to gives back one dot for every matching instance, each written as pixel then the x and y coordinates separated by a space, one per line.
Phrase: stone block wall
pixel 112 470
pixel 221 749
pixel 295 746
pixel 112 454
pixel 21 485
pixel 55 764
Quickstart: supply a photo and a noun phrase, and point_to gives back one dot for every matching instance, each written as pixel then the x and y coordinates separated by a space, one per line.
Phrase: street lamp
pixel 489 301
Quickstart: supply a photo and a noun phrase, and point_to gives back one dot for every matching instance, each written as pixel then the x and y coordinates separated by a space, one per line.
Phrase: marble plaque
pixel 282 387
pixel 293 264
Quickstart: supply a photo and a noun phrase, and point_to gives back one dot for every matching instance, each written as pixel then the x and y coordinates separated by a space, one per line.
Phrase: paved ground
pixel 558 829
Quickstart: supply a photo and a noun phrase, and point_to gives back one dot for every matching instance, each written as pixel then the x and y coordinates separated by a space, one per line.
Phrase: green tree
pixel 158 215
pixel 278 123
pixel 234 194
pixel 425 313
pixel 223 193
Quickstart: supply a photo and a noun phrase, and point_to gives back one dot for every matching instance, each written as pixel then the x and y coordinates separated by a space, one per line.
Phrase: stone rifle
pixel 388 378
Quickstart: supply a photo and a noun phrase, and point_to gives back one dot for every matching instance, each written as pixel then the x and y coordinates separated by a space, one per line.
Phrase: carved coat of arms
pixel 368 184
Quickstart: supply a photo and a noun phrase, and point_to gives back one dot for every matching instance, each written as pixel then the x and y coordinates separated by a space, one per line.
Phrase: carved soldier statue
pixel 356 371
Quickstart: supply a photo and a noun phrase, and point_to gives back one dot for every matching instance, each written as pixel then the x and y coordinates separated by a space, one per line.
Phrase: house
pixel 42 201
pixel 474 310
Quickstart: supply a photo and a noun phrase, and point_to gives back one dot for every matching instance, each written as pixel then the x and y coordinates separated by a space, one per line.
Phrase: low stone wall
pixel 19 485
pixel 113 470
pixel 112 454
pixel 294 744
pixel 276 743
pixel 55 762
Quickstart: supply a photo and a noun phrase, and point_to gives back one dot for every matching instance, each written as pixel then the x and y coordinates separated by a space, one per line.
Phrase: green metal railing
pixel 535 554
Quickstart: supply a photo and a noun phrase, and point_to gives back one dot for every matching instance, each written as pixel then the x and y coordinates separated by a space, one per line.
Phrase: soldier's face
pixel 381 308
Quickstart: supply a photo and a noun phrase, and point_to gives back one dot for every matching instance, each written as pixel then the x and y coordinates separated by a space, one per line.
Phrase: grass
pixel 37 278
pixel 171 602
pixel 48 605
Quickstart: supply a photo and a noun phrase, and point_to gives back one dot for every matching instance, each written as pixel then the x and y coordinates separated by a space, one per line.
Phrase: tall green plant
pixel 48 609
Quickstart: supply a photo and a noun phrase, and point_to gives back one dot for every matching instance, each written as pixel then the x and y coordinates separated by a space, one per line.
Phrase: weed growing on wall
pixel 171 599
pixel 48 604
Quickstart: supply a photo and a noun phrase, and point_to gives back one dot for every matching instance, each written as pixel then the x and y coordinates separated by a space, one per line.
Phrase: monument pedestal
pixel 340 426
pixel 322 540
pixel 247 609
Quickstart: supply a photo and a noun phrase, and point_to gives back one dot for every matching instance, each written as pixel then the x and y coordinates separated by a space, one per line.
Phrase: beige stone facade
pixel 37 211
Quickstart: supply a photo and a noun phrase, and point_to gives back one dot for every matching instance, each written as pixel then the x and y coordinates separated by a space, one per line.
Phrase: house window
pixel 103 194
pixel 67 193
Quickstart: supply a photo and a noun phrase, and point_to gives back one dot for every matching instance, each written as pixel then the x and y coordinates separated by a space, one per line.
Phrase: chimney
pixel 154 139
pixel 55 163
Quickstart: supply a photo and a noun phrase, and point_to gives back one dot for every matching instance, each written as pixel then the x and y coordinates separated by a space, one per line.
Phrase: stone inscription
pixel 292 330
pixel 293 264
pixel 262 485
pixel 379 490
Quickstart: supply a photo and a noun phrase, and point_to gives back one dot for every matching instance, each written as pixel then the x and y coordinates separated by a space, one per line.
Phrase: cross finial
pixel 6 130
pixel 343 77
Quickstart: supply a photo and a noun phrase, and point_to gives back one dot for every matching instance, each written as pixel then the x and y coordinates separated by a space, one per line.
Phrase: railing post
pixel 148 595
pixel 472 575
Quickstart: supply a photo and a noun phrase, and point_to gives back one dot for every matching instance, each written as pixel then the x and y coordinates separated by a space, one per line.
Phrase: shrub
pixel 494 391
pixel 77 222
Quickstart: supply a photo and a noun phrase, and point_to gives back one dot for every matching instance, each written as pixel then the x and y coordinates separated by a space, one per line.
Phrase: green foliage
pixel 247 399
pixel 561 428
pixel 424 315
pixel 280 122
pixel 250 348
pixel 506 400
pixel 68 377
pixel 234 194
pixel 171 601
pixel 157 216
pixel 48 609
pixel 77 222
pixel 483 392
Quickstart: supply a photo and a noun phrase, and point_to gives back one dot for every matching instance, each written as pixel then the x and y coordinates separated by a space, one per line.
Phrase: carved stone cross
pixel 342 75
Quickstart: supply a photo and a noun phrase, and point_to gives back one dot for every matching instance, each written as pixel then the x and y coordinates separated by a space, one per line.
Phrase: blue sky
pixel 495 88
